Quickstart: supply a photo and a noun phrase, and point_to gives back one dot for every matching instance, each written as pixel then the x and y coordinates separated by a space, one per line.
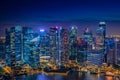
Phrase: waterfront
pixel 70 76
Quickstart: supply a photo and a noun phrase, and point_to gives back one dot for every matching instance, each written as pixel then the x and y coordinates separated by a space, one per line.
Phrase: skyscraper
pixel 44 46
pixel 100 40
pixel 117 51
pixel 92 56
pixel 73 43
pixel 14 52
pixel 20 47
pixel 53 44
pixel 2 48
pixel 64 35
pixel 100 37
pixel 88 37
pixel 30 47
pixel 110 51
pixel 81 51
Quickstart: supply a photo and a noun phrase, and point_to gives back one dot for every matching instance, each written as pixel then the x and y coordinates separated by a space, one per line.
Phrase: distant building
pixel 20 49
pixel 100 39
pixel 2 48
pixel 81 51
pixel 44 46
pixel 95 57
pixel 30 47
pixel 14 52
pixel 110 51
pixel 54 44
pixel 64 38
pixel 72 43
pixel 117 51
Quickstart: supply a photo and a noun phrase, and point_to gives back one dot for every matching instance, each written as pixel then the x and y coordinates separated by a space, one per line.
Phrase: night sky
pixel 46 13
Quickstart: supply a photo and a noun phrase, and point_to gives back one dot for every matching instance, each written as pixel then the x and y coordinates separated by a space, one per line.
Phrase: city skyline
pixel 59 46
pixel 59 39
pixel 111 29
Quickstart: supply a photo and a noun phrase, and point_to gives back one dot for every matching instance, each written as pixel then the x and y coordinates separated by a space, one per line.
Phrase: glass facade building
pixel 100 40
pixel 20 49
pixel 14 52
pixel 44 46
pixel 72 43
pixel 30 47
pixel 64 35
pixel 81 51
pixel 2 48
pixel 54 45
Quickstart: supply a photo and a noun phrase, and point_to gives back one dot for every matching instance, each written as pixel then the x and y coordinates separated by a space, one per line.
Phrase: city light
pixel 60 47
pixel 102 23
pixel 59 40
pixel 72 27
pixel 57 27
pixel 42 30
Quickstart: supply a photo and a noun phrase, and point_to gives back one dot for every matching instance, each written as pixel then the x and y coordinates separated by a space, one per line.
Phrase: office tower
pixel 30 47
pixel 2 48
pixel 53 44
pixel 94 57
pixel 2 52
pixel 91 55
pixel 28 35
pixel 110 51
pixel 64 38
pixel 72 43
pixel 117 51
pixel 21 48
pixel 14 52
pixel 7 47
pixel 35 54
pixel 44 46
pixel 88 37
pixel 81 51
pixel 100 39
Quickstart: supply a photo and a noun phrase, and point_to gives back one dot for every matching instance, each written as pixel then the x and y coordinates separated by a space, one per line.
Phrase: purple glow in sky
pixel 112 27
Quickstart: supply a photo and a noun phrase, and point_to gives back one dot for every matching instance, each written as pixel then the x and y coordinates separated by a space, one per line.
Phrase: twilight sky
pixel 45 13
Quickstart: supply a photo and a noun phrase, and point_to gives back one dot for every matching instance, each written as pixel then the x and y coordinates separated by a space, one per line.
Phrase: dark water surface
pixel 70 76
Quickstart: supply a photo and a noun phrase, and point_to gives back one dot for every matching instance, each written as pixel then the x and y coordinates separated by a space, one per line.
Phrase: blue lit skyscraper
pixel 30 47
pixel 100 37
pixel 110 51
pixel 14 52
pixel 117 50
pixel 100 40
pixel 20 47
pixel 44 46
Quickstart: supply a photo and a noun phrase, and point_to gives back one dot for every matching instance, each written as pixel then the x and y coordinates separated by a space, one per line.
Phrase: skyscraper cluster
pixel 59 46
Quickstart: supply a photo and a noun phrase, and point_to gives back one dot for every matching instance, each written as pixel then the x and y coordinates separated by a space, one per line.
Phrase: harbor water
pixel 70 76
